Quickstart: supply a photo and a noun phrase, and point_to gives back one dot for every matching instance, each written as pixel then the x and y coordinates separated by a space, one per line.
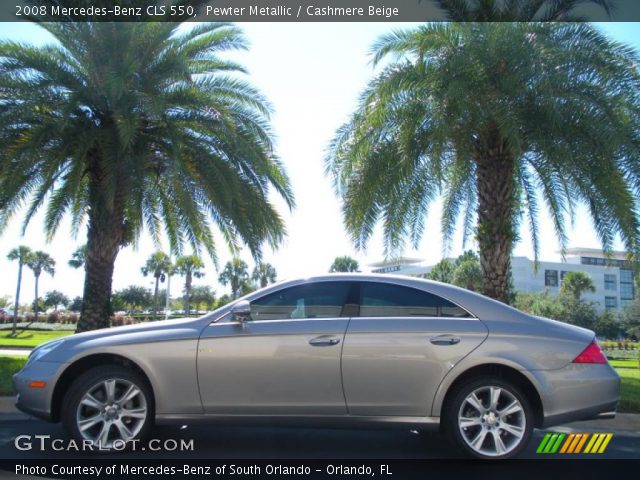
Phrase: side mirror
pixel 241 311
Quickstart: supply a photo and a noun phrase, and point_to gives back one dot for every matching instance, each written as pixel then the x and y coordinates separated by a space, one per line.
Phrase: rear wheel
pixel 108 407
pixel 489 418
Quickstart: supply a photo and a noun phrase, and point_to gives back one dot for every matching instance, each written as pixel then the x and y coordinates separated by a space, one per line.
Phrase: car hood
pixel 178 329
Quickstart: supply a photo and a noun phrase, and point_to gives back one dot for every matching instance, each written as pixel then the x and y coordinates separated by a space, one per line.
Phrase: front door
pixel 284 360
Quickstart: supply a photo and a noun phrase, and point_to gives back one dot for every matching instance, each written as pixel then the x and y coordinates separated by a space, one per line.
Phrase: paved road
pixel 248 442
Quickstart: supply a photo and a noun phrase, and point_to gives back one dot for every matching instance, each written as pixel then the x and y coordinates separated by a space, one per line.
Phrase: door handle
pixel 445 340
pixel 324 341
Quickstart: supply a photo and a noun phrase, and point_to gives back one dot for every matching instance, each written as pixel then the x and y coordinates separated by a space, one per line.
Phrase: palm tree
pixel 158 265
pixel 40 262
pixel 516 10
pixel 344 264
pixel 264 274
pixel 78 257
pixel 165 135
pixel 189 266
pixel 23 255
pixel 577 283
pixel 235 274
pixel 498 118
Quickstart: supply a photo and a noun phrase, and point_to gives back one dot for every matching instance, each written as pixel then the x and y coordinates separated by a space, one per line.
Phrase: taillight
pixel 591 354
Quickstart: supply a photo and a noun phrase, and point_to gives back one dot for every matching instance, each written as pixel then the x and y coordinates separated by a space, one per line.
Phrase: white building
pixel 612 276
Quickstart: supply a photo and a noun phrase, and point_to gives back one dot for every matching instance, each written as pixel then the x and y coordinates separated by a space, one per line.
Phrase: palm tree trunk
pixel 495 185
pixel 36 304
pixel 187 293
pixel 102 249
pixel 155 299
pixel 235 286
pixel 17 302
pixel 106 234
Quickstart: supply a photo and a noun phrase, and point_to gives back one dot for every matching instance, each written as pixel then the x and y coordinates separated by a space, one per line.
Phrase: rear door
pixel 400 347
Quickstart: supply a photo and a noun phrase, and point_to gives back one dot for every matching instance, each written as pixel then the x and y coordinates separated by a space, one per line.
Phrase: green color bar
pixel 550 443
pixel 555 448
pixel 543 443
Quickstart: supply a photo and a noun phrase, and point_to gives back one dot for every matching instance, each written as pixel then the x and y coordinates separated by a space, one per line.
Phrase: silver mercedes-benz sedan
pixel 342 350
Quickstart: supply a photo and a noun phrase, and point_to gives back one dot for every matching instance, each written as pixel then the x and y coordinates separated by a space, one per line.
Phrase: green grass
pixel 9 366
pixel 30 338
pixel 624 363
pixel 630 390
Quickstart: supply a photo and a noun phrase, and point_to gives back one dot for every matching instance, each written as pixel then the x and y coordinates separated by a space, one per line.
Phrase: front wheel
pixel 489 418
pixel 108 407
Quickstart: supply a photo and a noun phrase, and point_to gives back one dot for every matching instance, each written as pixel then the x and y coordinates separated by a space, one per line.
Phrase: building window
pixel 626 286
pixel 562 275
pixel 610 303
pixel 610 282
pixel 550 278
pixel 611 262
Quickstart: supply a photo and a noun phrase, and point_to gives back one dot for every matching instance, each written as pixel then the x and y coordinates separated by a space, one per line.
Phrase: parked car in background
pixel 344 349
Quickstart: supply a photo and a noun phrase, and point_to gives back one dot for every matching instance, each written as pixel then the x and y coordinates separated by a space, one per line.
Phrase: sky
pixel 312 74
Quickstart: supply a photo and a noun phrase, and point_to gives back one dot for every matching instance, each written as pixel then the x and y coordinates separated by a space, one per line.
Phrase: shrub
pixel 121 320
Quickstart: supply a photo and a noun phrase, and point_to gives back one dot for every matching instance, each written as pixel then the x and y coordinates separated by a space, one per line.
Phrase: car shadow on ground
pixel 226 442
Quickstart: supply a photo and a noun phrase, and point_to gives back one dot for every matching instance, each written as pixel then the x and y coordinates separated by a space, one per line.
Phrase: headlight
pixel 43 349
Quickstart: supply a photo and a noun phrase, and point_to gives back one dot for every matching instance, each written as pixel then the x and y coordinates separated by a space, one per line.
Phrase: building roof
pixel 397 261
pixel 595 252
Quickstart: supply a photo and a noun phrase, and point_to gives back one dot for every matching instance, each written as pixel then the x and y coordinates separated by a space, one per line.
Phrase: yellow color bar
pixel 594 443
pixel 606 441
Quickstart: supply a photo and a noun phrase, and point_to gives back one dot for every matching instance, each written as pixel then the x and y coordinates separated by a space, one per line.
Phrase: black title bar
pixel 110 468
pixel 308 11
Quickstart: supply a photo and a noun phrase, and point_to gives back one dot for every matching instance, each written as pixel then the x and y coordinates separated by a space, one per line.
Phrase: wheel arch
pixel 84 364
pixel 508 373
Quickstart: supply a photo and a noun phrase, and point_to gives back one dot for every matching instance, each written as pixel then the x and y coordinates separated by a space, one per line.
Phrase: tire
pixel 109 407
pixel 486 431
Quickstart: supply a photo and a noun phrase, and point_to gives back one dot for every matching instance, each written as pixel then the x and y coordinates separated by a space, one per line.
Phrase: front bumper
pixel 36 401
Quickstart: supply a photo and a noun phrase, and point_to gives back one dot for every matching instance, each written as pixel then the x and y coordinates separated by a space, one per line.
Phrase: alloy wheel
pixel 111 413
pixel 492 421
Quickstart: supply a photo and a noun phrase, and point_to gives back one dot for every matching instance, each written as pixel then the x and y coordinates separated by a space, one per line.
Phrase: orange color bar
pixel 576 440
pixel 567 443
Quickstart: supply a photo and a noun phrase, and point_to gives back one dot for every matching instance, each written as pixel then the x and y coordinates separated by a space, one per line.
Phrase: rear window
pixel 386 300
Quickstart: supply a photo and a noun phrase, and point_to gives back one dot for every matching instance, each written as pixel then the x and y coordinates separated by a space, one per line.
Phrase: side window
pixel 313 300
pixel 386 300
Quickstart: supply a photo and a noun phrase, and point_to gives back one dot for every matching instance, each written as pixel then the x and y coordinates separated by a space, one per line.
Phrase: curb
pixel 8 410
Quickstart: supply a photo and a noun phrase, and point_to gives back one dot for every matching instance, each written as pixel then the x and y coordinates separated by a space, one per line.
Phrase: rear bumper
pixel 600 412
pixel 578 392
